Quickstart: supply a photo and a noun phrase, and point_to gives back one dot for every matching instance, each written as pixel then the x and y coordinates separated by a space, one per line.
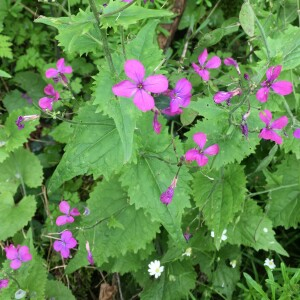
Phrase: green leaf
pixel 62 132
pixel 253 284
pixel 5 44
pixel 109 200
pixel 20 167
pixel 188 116
pixel 254 229
pixel 175 282
pixel 11 137
pixel 152 174
pixel 220 199
pixel 247 19
pixel 15 216
pixel 93 149
pixel 57 290
pixel 4 74
pixel 130 15
pixel 284 205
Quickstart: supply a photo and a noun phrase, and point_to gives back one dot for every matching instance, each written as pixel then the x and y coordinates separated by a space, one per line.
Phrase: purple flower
pixel 138 87
pixel 89 256
pixel 246 76
pixel 66 243
pixel 3 283
pixel 58 74
pixel 64 207
pixel 231 62
pixel 244 128
pixel 226 96
pixel 155 124
pixel 297 133
pixel 268 132
pixel 167 196
pixel 47 102
pixel 180 97
pixel 199 154
pixel 17 255
pixel 25 119
pixel 187 236
pixel 129 1
pixel 279 87
pixel 213 63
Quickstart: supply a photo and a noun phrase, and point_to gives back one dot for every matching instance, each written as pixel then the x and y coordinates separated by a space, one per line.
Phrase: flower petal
pixel 124 89
pixel 202 57
pixel 74 212
pixel 71 243
pixel 50 73
pixel 62 68
pixel 66 236
pixel 266 116
pixel 191 154
pixel 230 62
pixel 262 94
pixel 135 70
pixel 282 87
pixel 49 90
pixel 24 254
pixel 62 220
pixel 15 264
pixel 268 134
pixel 204 74
pixel 200 139
pixel 280 123
pixel 213 63
pixel 11 252
pixel 212 150
pixel 222 96
pixel 45 103
pixel 183 88
pixel 273 72
pixel 156 84
pixel 143 101
pixel 58 245
pixel 64 207
pixel 167 111
pixel 175 103
pixel 202 160
pixel 296 133
pixel 65 252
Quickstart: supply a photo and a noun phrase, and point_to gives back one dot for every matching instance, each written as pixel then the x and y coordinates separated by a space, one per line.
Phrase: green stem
pixel 103 36
pixel 118 10
pixel 272 190
pixel 123 41
pixel 287 107
pixel 263 37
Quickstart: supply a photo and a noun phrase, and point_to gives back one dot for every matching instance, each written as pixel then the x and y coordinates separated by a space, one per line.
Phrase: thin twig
pixel 119 286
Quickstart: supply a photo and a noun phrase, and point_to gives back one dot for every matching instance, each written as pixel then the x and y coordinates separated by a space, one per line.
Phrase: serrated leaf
pixel 57 290
pixel 93 149
pixel 130 15
pixel 109 200
pixel 175 282
pixel 247 19
pixel 284 204
pixel 152 174
pixel 15 216
pixel 62 132
pixel 220 199
pixel 254 229
pixel 5 44
pixel 21 167
pixel 188 116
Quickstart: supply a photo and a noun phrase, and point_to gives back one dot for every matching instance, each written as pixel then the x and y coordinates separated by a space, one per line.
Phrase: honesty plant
pixel 279 87
pixel 59 73
pixel 17 255
pixel 167 196
pixel 47 102
pixel 66 242
pixel 21 119
pixel 212 63
pixel 269 133
pixel 64 207
pixel 3 283
pixel 232 62
pixel 220 96
pixel 138 87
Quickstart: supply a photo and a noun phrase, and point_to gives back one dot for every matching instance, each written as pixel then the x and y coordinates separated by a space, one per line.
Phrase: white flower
pixel 233 263
pixel 223 237
pixel 187 252
pixel 270 263
pixel 155 268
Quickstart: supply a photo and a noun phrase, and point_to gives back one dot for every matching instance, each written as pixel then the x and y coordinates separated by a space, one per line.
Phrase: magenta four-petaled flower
pixel 212 63
pixel 232 62
pixel 64 207
pixel 155 124
pixel 17 255
pixel 3 283
pixel 296 133
pixel 59 73
pixel 47 102
pixel 180 97
pixel 226 96
pixel 268 132
pixel 138 87
pixel 199 155
pixel 167 196
pixel 65 243
pixel 89 256
pixel 279 87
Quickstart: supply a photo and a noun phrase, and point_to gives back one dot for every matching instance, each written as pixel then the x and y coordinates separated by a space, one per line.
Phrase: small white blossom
pixel 270 263
pixel 187 252
pixel 265 230
pixel 155 268
pixel 223 237
pixel 233 263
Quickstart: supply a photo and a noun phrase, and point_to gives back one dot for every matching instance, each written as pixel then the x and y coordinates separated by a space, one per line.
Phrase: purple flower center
pixel 140 86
